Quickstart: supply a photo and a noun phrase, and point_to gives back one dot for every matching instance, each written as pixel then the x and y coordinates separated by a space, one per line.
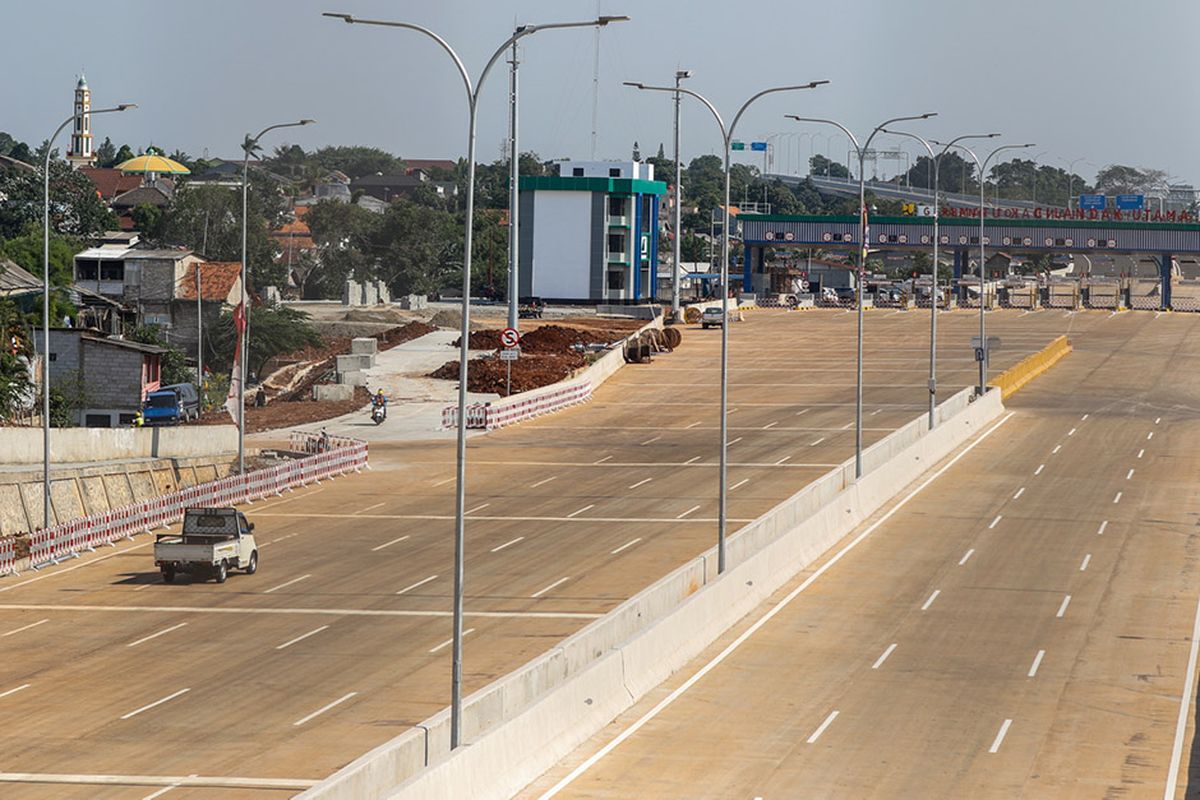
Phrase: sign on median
pixel 1093 202
pixel 510 354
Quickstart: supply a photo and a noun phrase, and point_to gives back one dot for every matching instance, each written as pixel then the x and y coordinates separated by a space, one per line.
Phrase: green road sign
pixel 737 145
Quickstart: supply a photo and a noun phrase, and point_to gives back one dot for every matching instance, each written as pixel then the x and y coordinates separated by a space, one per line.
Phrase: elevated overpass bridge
pixel 1164 236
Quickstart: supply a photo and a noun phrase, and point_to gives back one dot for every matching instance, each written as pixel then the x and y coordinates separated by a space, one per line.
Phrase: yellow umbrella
pixel 149 162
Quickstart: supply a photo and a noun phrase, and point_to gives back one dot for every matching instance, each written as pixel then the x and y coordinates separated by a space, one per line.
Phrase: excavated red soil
pixel 488 375
pixel 279 414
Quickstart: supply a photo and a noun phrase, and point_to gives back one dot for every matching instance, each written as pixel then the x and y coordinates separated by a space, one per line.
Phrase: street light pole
pixel 473 90
pixel 680 74
pixel 248 144
pixel 514 195
pixel 727 140
pixel 933 293
pixel 861 151
pixel 46 300
pixel 982 166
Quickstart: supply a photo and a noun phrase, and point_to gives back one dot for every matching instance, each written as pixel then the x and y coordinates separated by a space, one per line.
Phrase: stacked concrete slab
pixel 351 368
pixel 381 290
pixel 352 294
pixel 414 302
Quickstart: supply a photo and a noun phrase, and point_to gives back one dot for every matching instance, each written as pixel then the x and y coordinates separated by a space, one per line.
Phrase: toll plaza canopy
pixel 1027 230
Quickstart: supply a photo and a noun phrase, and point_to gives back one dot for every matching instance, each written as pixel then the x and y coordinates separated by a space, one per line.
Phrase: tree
pixel 1120 179
pixel 17 390
pixel 147 219
pixel 955 175
pixel 273 331
pixel 106 153
pixel 75 210
pixel 123 155
pixel 418 248
pixel 208 219
pixel 820 165
pixel 8 144
pixel 357 161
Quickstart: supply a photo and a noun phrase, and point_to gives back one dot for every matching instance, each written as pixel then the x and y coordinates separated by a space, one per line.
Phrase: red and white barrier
pixel 68 539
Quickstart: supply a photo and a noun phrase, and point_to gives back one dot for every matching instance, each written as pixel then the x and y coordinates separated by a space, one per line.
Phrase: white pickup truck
pixel 213 541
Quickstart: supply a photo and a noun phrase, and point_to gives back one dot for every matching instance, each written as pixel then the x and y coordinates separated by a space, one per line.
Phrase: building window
pixel 54 356
pixel 616 243
pixel 616 281
pixel 126 419
pixel 577 172
pixel 88 270
pixel 98 421
pixel 614 172
pixel 616 206
pixel 112 270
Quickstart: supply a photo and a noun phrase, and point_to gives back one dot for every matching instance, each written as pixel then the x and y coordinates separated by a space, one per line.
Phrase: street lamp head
pixel 349 20
pixel 815 84
pixel 602 21
pixel 683 73
pixel 306 122
pixel 126 106
pixel 634 84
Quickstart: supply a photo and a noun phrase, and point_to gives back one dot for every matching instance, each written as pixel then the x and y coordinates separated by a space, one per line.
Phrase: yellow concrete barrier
pixel 1013 378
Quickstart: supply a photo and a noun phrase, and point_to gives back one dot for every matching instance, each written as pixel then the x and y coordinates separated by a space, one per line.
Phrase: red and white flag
pixel 232 404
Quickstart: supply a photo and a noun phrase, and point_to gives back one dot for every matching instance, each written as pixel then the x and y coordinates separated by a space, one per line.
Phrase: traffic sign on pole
pixel 1131 202
pixel 510 354
pixel 1093 202
pixel 510 337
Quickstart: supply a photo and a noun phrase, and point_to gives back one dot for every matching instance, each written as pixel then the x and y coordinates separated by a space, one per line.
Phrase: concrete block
pixel 271 295
pixel 354 363
pixel 334 391
pixel 414 302
pixel 381 290
pixel 352 294
pixel 352 378
pixel 364 346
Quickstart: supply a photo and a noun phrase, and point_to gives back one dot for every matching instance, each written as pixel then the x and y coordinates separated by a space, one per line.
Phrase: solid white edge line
pixel 763 620
pixel 156 635
pixel 1000 737
pixel 323 709
pixel 155 703
pixel 1037 662
pixel 821 729
pixel 879 661
pixel 302 637
pixel 1185 703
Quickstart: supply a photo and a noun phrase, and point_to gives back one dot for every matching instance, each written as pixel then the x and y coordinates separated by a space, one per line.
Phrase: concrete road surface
pixel 1020 626
pixel 115 685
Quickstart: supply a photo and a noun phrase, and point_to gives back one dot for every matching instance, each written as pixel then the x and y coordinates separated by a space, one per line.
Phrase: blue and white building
pixel 590 233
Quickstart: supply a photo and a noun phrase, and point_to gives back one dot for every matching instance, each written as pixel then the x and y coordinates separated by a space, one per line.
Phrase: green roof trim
pixel 974 223
pixel 559 183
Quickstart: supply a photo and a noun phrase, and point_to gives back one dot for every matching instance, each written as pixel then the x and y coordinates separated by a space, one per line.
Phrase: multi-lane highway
pixel 1019 625
pixel 115 685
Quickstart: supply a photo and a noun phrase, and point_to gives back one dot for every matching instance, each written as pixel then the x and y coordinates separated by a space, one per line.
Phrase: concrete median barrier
pixel 84 445
pixel 522 724
pixel 1013 378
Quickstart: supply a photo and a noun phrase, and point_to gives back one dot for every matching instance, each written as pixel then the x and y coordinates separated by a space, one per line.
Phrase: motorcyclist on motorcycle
pixel 379 401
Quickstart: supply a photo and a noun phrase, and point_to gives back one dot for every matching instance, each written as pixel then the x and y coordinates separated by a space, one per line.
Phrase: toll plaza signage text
pixel 1088 215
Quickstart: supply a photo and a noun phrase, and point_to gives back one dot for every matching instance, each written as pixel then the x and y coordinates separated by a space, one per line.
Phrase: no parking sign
pixel 510 337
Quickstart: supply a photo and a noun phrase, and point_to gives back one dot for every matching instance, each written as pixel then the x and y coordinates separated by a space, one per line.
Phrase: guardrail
pixel 68 539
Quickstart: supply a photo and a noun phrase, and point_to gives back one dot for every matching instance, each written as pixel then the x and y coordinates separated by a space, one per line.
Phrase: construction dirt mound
pixel 489 375
pixel 281 414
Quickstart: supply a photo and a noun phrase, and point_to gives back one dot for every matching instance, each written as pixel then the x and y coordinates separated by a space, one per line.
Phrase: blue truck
pixel 171 405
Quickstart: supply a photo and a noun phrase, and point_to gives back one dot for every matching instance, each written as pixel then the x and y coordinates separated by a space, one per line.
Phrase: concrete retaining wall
pixel 83 491
pixel 85 445
pixel 522 724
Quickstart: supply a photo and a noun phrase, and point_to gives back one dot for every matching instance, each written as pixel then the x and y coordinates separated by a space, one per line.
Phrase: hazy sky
pixel 1109 81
